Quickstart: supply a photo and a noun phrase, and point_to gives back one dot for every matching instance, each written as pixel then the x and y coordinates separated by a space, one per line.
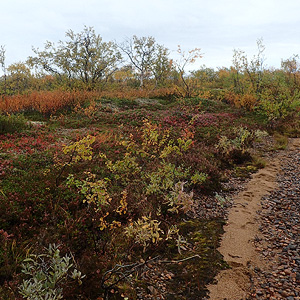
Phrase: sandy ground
pixel 241 230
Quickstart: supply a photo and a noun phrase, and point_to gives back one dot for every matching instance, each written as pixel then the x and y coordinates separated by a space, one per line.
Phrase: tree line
pixel 83 61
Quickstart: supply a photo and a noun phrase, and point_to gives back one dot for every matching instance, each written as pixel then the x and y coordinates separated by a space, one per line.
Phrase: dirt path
pixel 242 230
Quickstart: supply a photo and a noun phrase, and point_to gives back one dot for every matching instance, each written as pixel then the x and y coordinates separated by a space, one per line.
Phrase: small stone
pixel 284 294
pixel 292 247
pixel 152 290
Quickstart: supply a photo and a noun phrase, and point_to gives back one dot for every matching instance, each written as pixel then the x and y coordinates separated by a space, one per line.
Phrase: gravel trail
pixel 279 242
pixel 261 243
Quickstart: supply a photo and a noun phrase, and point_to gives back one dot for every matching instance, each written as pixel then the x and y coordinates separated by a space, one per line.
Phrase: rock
pixel 152 290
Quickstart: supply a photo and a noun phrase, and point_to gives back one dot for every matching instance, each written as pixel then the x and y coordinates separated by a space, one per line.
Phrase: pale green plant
pixel 259 134
pixel 242 141
pixel 178 200
pixel 172 230
pixel 221 199
pixel 173 234
pixel 46 274
pixel 181 243
pixel 146 231
pixel 224 144
pixel 243 137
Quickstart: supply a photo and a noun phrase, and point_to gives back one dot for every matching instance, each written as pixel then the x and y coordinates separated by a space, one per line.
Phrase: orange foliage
pixel 247 100
pixel 128 93
pixel 88 111
pixel 231 97
pixel 46 102
pixel 49 102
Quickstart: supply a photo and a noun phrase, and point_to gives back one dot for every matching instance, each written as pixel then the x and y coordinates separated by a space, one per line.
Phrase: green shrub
pixel 12 123
pixel 236 149
pixel 279 105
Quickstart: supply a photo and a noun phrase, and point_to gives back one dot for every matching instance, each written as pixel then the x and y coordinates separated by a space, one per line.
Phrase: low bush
pixel 235 150
pixel 47 273
pixel 281 142
pixel 12 123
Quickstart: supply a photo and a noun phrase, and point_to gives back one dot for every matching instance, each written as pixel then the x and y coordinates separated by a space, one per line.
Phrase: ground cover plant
pixel 116 186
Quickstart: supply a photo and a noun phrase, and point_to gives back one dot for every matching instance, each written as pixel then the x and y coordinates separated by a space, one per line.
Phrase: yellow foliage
pixel 80 150
pixel 122 209
pixel 145 231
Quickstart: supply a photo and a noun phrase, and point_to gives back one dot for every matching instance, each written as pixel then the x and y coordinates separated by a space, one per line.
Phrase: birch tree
pixel 83 56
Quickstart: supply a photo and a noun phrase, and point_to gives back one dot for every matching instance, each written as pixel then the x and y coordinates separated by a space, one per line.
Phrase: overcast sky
pixel 215 26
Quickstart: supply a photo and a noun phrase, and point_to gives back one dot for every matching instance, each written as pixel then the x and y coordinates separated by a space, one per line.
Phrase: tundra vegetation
pixel 113 159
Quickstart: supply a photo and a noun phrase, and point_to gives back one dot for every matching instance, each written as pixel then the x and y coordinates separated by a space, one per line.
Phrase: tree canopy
pixel 83 56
